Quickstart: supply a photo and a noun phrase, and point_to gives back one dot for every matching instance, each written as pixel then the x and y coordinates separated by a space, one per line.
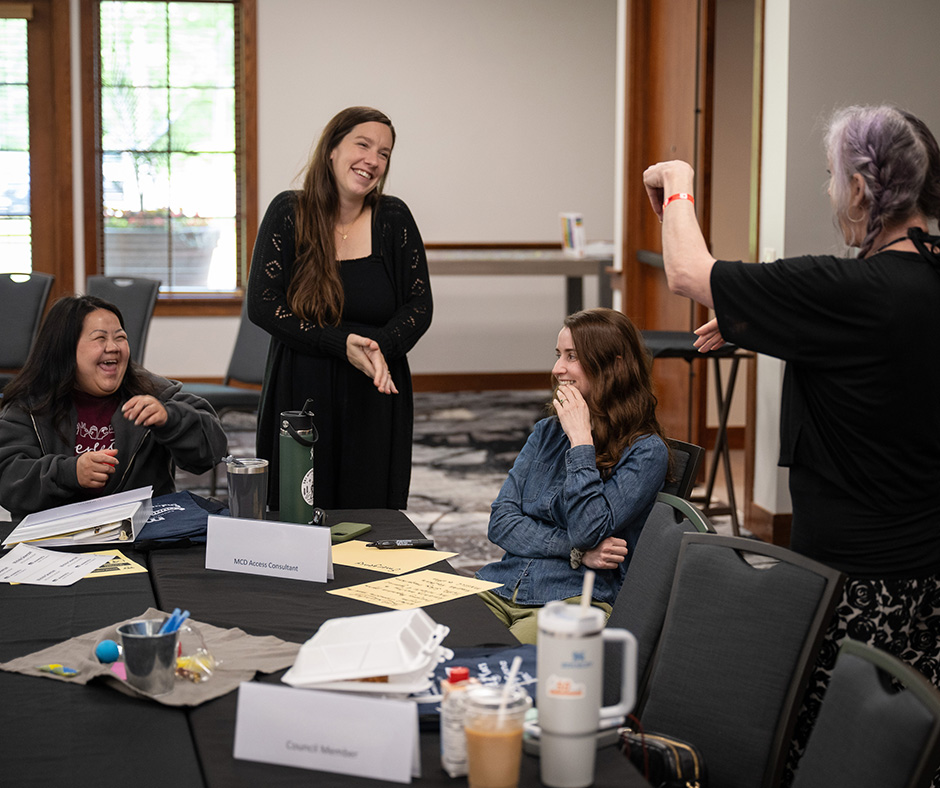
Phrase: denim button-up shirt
pixel 554 500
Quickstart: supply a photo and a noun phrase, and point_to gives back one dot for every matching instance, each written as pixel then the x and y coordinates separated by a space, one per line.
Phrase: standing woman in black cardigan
pixel 339 279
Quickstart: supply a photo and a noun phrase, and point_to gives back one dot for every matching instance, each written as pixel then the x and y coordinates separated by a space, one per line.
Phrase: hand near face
pixel 94 468
pixel 364 354
pixel 145 411
pixel 574 415
pixel 609 554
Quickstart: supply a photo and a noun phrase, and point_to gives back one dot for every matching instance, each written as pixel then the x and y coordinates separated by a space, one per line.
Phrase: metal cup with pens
pixel 149 647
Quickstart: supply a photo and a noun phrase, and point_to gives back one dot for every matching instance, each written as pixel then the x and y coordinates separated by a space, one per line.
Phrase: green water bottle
pixel 295 446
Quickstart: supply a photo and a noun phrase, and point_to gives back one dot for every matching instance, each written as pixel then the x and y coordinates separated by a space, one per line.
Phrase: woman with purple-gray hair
pixel 860 424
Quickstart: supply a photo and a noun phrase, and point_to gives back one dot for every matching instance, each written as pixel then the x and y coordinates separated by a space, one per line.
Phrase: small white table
pixel 527 262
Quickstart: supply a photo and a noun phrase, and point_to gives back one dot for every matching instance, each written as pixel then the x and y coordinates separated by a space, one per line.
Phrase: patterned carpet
pixel 464 445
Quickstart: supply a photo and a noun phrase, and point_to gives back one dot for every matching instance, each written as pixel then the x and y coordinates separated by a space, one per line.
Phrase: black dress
pixel 363 456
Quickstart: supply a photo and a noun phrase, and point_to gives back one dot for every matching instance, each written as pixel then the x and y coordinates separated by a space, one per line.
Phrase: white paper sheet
pixel 35 566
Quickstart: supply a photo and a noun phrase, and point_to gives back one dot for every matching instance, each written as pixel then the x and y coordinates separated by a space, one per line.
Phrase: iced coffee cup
pixel 494 736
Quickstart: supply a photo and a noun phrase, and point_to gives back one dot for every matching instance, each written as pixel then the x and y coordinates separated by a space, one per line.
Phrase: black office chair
pixel 640 606
pixel 22 304
pixel 245 367
pixel 136 297
pixel 738 644
pixel 686 461
pixel 870 733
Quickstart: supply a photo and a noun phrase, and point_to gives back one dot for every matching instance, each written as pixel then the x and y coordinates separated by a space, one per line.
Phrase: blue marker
pixel 168 624
pixel 174 622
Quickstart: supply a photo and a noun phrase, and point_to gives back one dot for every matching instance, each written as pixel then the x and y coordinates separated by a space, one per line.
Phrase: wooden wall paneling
pixel 50 143
pixel 668 117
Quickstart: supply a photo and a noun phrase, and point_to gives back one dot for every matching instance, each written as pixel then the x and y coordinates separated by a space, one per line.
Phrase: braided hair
pixel 898 160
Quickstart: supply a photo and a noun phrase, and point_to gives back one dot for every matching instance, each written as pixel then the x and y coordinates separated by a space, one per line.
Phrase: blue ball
pixel 107 651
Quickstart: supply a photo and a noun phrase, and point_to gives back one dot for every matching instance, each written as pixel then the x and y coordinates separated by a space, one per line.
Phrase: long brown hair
pixel 315 292
pixel 614 357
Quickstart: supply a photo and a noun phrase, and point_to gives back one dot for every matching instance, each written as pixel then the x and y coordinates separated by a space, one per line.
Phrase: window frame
pixel 50 139
pixel 246 156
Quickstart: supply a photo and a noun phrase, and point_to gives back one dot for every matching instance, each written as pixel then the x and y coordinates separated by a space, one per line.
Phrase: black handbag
pixel 663 761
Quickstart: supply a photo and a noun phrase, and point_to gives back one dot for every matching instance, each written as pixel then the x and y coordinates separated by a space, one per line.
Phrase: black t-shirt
pixel 860 416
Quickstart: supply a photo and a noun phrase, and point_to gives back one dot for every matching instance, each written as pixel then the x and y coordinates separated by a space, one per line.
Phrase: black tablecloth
pixel 57 734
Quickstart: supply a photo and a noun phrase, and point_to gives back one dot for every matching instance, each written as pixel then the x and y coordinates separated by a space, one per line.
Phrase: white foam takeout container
pixel 403 645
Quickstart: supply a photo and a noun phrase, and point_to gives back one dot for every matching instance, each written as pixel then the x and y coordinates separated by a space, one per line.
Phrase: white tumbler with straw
pixel 570 660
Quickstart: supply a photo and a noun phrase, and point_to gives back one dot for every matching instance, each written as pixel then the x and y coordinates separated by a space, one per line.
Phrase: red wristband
pixel 679 196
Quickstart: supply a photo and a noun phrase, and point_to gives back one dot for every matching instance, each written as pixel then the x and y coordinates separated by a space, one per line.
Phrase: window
pixel 15 236
pixel 35 141
pixel 171 138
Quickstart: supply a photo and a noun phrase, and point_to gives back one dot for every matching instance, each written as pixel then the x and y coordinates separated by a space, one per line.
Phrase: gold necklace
pixel 344 231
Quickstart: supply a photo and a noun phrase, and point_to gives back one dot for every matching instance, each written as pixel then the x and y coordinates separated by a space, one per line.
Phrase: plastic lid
pixel 457 674
pixel 564 619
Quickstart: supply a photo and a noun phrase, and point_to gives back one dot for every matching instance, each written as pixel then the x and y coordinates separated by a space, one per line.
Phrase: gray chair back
pixel 22 303
pixel 640 606
pixel 870 733
pixel 738 644
pixel 686 461
pixel 246 366
pixel 250 353
pixel 136 297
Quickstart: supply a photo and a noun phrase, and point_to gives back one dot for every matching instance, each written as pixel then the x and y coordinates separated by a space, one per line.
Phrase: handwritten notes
pixel 392 562
pixel 418 589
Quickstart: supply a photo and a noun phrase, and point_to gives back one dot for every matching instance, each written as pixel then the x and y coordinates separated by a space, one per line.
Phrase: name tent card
pixel 328 731
pixel 262 547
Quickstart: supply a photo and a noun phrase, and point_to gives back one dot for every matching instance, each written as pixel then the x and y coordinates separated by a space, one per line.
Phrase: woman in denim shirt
pixel 584 483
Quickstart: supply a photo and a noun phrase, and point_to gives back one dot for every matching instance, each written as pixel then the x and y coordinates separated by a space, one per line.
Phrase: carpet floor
pixel 464 445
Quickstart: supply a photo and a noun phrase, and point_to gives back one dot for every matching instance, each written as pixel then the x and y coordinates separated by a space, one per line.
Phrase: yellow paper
pixel 418 589
pixel 119 564
pixel 392 562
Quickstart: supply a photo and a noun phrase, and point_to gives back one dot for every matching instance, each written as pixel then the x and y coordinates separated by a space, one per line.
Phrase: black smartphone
pixel 343 532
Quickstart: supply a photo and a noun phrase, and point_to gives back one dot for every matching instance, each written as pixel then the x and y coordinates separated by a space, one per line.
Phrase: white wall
pixel 819 56
pixel 505 116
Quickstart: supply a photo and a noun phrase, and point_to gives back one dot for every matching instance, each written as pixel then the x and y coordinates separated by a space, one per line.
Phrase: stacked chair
pixel 240 391
pixel 136 297
pixel 22 304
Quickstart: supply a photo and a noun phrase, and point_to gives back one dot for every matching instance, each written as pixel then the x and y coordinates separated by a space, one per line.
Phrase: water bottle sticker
pixel 564 687
pixel 306 487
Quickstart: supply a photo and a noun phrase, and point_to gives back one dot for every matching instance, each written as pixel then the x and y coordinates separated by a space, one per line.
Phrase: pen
pixel 168 622
pixel 395 544
pixel 174 622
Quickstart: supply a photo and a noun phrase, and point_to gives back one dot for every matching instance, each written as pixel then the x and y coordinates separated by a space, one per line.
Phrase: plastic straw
pixel 507 688
pixel 587 590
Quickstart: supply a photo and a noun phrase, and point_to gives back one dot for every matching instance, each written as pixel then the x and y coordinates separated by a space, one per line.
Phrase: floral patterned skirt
pixel 901 617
